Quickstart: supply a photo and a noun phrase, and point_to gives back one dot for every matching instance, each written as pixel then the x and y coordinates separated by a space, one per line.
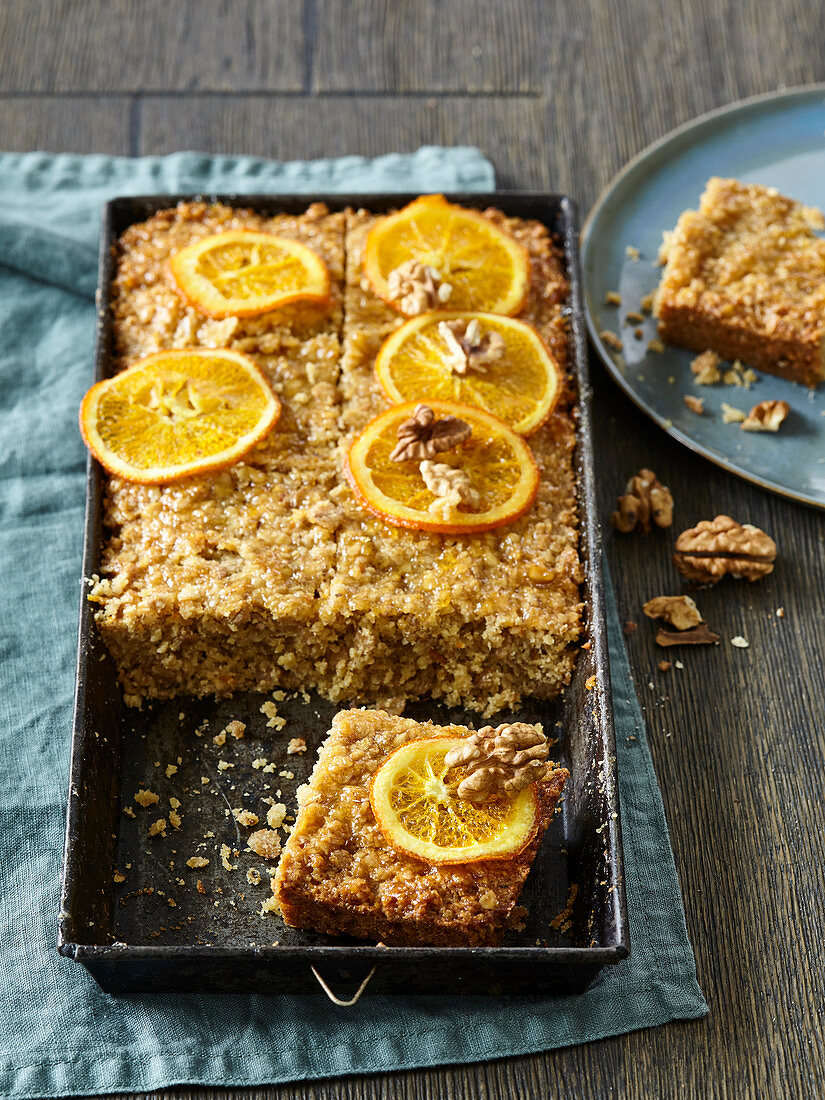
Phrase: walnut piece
pixel 450 485
pixel 713 548
pixel 730 414
pixel 422 436
pixel 679 611
pixel 499 761
pixel 767 416
pixel 645 499
pixel 415 287
pixel 468 348
pixel 706 368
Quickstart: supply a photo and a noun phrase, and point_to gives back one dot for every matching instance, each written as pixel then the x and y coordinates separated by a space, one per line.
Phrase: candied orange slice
pixel 452 356
pixel 414 798
pixel 176 414
pixel 484 267
pixel 497 465
pixel 241 273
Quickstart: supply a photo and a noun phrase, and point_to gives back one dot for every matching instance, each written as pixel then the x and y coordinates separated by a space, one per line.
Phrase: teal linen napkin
pixel 59 1034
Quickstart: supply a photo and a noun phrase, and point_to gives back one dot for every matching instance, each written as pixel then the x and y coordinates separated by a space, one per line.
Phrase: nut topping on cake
pixel 417 287
pixel 422 436
pixel 450 485
pixel 767 416
pixel 468 348
pixel 646 501
pixel 706 552
pixel 499 761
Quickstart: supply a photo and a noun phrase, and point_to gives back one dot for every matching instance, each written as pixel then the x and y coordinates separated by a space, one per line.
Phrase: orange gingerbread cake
pixel 366 860
pixel 271 572
pixel 745 277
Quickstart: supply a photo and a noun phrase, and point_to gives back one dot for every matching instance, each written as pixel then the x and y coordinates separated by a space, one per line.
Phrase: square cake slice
pixel 745 277
pixel 339 874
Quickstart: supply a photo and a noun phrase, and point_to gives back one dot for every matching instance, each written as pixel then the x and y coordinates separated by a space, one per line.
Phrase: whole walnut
pixel 718 547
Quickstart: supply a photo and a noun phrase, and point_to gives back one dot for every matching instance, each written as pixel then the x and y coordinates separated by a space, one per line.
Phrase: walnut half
pixel 679 611
pixel 645 501
pixel 499 761
pixel 415 287
pixel 713 548
pixel 423 436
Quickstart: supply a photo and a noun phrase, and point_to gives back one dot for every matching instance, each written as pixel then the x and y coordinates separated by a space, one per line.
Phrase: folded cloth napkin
pixel 60 1035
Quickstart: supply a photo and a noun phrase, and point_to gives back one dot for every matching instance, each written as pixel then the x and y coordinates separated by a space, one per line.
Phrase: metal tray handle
pixel 339 1000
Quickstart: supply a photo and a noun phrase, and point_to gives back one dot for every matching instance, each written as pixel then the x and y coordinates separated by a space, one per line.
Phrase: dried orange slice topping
pixel 494 463
pixel 176 414
pixel 482 359
pixel 483 266
pixel 241 273
pixel 413 796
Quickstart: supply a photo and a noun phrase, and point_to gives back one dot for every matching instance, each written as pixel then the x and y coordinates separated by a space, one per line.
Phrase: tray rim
pixel 564 210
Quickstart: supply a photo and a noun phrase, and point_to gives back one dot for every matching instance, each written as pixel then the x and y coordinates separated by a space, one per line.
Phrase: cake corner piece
pixel 339 875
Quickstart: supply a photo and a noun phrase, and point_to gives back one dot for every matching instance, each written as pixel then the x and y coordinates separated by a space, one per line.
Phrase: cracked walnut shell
pixel 501 760
pixel 645 502
pixel 713 548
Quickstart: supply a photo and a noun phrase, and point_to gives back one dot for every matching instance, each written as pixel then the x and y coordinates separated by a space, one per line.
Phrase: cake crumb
pixel 664 666
pixel 296 745
pixel 174 803
pixel 146 798
pixel 740 642
pixel 611 339
pixel 236 729
pixel 655 345
pixel 245 818
pixel 224 765
pixel 275 720
pixel 632 253
pixel 265 843
pixel 219 739
pixel 705 368
pixel 226 852
pixel 118 877
pixel 175 819
pixel 275 815
pixel 695 404
pixel 170 770
pixel 197 861
pixel 731 415
pixel 158 827
pixel 253 876
pixel 259 762
pixel 612 298
pixel 563 921
pixel 128 811
pixel 200 886
pixel 647 302
pixel 780 612
pixel 634 317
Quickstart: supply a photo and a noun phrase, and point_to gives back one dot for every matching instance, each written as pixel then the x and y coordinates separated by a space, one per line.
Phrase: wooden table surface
pixel 558 95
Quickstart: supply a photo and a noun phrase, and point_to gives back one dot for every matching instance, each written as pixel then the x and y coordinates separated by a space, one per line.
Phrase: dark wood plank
pixel 64 124
pixel 429 46
pixel 83 45
pixel 511 131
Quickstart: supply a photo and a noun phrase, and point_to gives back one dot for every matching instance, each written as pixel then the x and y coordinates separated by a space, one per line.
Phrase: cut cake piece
pixel 339 875
pixel 745 277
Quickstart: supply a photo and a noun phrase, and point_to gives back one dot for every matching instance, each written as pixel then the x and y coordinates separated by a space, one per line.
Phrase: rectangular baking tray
pixel 150 933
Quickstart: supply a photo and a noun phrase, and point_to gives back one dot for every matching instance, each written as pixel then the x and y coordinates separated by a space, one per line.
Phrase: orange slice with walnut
pixel 434 255
pixel 241 273
pixel 482 359
pixel 463 799
pixel 177 414
pixel 442 467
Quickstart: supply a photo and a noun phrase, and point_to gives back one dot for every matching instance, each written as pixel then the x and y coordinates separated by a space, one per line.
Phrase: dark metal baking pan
pixel 157 931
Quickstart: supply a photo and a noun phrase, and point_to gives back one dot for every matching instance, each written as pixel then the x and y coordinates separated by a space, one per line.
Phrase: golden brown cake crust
pixel 339 875
pixel 269 573
pixel 745 277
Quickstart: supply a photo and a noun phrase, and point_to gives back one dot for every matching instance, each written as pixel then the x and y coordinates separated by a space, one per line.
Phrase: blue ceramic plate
pixel 778 140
